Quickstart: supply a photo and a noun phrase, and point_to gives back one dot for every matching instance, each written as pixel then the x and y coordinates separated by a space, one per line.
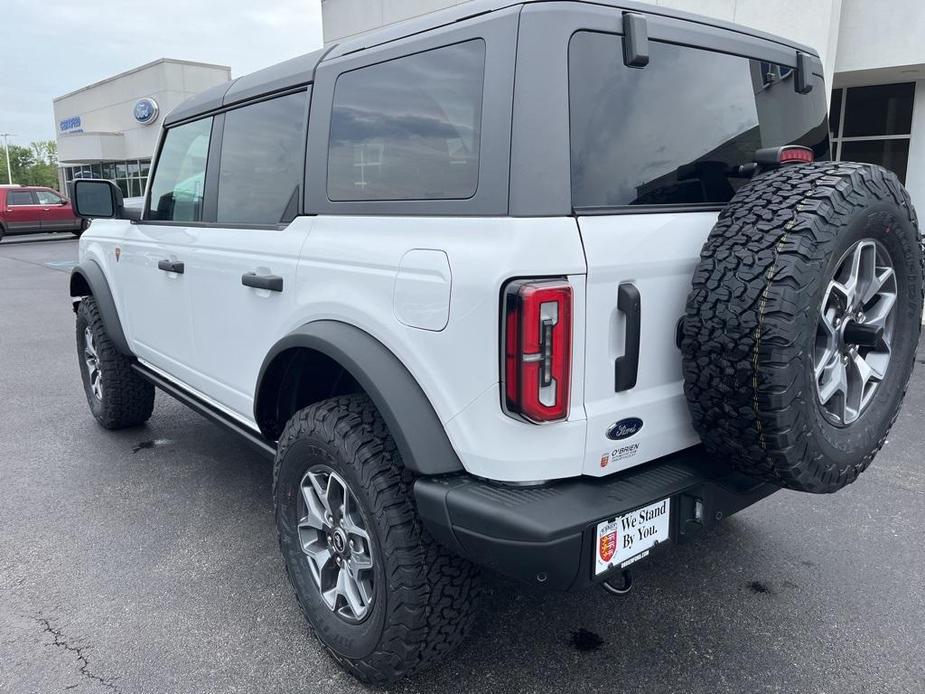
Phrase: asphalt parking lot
pixel 146 561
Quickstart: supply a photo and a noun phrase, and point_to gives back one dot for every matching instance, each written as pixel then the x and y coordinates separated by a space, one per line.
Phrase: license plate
pixel 628 538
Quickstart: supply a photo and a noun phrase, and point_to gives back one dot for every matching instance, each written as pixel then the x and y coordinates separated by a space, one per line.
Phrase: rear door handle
pixel 626 368
pixel 170 266
pixel 272 282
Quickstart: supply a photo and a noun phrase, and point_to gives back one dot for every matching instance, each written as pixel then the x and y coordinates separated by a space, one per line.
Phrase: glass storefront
pixel 873 125
pixel 131 176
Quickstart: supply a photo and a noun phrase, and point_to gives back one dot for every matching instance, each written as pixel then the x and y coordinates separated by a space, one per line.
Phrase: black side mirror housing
pixel 97 199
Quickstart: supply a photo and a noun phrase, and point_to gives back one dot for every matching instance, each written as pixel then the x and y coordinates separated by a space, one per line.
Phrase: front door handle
pixel 170 266
pixel 626 368
pixel 272 282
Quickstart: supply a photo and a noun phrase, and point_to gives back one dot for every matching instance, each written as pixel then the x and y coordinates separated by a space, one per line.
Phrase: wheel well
pixel 80 286
pixel 297 378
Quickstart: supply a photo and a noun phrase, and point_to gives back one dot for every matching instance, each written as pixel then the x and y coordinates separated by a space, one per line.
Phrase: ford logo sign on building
pixel 624 429
pixel 145 111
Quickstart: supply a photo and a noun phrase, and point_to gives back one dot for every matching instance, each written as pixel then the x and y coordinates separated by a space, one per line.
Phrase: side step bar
pixel 261 444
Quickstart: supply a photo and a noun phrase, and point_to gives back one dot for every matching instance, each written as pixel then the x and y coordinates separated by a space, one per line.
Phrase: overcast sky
pixel 51 47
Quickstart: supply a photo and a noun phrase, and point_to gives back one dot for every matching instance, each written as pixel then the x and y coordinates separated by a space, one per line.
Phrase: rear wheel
pixel 382 597
pixel 118 397
pixel 803 322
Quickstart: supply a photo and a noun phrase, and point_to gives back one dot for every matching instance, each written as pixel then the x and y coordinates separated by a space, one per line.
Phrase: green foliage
pixel 35 165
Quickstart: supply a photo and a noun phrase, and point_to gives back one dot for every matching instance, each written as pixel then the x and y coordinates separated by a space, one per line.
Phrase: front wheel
pixel 118 397
pixel 382 597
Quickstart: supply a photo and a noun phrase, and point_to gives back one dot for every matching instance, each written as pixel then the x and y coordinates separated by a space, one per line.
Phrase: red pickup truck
pixel 31 209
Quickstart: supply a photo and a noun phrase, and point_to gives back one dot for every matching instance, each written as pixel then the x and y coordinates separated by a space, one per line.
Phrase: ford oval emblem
pixel 145 111
pixel 624 428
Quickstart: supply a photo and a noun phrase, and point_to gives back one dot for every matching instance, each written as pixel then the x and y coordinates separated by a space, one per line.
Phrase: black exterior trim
pixel 626 367
pixel 412 420
pixel 195 403
pixel 545 535
pixel 644 209
pixel 91 275
pixel 635 40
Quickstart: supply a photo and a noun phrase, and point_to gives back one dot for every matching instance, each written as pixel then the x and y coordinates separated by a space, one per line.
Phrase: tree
pixel 35 165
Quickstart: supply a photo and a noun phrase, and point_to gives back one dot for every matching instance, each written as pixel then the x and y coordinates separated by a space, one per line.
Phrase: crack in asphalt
pixel 61 641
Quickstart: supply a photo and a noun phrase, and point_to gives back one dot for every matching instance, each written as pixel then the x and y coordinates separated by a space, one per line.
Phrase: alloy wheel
pixel 335 539
pixel 92 360
pixel 854 337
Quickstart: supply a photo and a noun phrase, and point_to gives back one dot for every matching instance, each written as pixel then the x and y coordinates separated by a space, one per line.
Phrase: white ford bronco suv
pixel 538 286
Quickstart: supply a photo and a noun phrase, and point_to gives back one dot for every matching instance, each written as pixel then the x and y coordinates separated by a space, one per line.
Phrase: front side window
pixel 263 147
pixel 46 197
pixel 19 197
pixel 409 128
pixel 675 132
pixel 179 177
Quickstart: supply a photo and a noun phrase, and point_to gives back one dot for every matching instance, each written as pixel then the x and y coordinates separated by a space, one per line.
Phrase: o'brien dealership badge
pixel 608 546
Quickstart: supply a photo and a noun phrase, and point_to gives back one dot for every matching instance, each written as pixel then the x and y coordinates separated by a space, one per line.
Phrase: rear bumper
pixel 545 535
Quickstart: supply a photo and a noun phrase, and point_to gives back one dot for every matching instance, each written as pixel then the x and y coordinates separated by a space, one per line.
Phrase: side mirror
pixel 96 199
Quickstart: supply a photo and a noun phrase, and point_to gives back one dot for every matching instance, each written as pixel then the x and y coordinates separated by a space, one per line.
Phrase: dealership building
pixel 109 129
pixel 873 54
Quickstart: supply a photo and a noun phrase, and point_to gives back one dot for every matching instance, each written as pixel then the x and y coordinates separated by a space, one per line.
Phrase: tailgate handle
pixel 626 368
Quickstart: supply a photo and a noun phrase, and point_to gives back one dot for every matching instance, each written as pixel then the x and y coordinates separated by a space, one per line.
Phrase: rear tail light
pixel 790 154
pixel 537 340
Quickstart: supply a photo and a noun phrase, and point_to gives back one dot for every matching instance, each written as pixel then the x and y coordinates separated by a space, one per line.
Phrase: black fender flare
pixel 412 421
pixel 87 279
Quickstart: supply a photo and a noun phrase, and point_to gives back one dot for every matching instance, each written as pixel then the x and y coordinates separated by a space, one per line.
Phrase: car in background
pixel 35 209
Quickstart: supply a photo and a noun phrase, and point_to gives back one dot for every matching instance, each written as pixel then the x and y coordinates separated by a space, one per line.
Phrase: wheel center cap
pixel 339 540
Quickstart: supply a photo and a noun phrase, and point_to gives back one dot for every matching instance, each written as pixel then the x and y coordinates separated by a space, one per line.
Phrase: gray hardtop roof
pixel 301 70
pixel 286 75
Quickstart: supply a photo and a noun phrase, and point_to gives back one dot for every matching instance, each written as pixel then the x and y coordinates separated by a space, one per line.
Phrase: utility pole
pixel 6 146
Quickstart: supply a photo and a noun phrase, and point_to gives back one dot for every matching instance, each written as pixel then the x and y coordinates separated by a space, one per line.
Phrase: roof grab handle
pixel 635 40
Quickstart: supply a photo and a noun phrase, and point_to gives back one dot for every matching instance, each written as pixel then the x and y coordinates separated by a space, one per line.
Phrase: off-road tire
pixel 424 597
pixel 753 312
pixel 127 399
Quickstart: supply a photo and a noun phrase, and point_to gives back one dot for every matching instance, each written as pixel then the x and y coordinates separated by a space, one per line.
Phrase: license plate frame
pixel 626 538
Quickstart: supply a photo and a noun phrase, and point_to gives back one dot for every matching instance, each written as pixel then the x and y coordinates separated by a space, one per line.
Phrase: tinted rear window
pixel 673 132
pixel 263 150
pixel 408 129
pixel 19 197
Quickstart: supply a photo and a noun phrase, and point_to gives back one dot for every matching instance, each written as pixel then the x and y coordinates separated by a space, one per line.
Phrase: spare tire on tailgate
pixel 803 321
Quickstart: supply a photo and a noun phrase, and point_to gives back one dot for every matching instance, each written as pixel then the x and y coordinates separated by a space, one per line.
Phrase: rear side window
pixel 177 187
pixel 263 148
pixel 409 128
pixel 19 197
pixel 674 132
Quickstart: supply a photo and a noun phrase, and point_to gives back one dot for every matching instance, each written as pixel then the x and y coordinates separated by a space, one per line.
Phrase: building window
pixel 131 176
pixel 874 125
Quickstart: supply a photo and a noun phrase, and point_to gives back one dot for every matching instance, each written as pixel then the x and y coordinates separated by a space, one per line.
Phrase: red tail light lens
pixel 796 154
pixel 537 349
